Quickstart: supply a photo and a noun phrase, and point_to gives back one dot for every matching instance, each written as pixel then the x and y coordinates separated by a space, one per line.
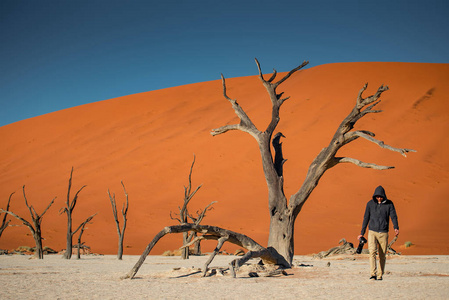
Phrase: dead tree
pixel 68 209
pixel 200 214
pixel 34 225
pixel 183 212
pixel 120 231
pixel 5 222
pixel 81 228
pixel 283 212
pixel 184 216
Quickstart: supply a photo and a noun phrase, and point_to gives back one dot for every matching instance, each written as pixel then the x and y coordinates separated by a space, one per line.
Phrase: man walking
pixel 378 212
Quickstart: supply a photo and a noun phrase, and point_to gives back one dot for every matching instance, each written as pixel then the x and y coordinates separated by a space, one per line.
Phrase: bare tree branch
pixel 125 208
pixel 370 137
pixel 217 249
pixel 361 163
pixel 82 226
pixel 245 125
pixel 327 157
pixel 202 213
pixel 362 102
pixel 24 222
pixel 71 205
pixel 4 222
pixel 305 63
pixel 272 76
pixel 353 135
pixel 225 129
pixel 174 218
pixel 84 223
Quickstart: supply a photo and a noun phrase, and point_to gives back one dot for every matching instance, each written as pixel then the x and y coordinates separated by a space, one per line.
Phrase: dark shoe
pixel 373 278
pixel 380 278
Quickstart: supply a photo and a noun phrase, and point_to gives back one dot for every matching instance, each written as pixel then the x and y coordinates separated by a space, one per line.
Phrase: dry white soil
pixel 161 277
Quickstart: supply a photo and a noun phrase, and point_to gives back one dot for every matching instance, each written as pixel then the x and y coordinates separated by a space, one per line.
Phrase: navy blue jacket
pixel 378 214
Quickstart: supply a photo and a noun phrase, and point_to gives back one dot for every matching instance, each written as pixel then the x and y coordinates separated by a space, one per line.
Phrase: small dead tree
pixel 184 216
pixel 283 212
pixel 34 225
pixel 200 214
pixel 120 231
pixel 68 209
pixel 5 222
pixel 81 228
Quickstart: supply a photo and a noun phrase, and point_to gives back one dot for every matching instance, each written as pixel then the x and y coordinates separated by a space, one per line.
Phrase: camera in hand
pixel 360 247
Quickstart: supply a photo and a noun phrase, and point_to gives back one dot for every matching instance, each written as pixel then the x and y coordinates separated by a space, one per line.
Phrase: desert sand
pixel 161 277
pixel 148 141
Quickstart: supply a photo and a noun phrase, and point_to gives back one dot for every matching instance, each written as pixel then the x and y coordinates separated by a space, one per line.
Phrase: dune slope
pixel 148 141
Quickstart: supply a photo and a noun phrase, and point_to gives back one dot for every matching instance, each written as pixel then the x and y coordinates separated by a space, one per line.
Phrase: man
pixel 378 212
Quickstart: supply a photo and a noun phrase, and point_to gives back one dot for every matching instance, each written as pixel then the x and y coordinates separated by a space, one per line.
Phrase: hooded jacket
pixel 378 215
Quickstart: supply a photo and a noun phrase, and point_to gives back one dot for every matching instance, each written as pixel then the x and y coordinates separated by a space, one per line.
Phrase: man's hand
pixel 396 231
pixel 358 238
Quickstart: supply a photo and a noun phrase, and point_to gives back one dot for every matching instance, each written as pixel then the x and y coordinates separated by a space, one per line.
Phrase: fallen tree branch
pixel 268 255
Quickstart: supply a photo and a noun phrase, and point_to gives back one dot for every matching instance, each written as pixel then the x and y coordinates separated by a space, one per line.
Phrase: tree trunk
pixel 69 242
pixel 120 246
pixel 39 253
pixel 78 250
pixel 185 251
pixel 281 236
pixel 196 245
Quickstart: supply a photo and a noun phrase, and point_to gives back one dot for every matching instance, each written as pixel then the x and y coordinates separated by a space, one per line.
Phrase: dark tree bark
pixel 68 209
pixel 283 213
pixel 120 231
pixel 81 228
pixel 5 222
pixel 34 225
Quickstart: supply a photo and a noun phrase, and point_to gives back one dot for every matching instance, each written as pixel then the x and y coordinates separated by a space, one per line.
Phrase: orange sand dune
pixel 148 140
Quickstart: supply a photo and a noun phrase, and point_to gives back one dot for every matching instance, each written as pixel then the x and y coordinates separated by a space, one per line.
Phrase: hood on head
pixel 379 191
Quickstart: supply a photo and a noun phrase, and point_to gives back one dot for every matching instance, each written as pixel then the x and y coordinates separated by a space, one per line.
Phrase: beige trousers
pixel 377 243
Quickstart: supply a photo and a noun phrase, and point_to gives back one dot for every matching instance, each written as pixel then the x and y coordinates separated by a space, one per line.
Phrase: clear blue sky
pixel 56 54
